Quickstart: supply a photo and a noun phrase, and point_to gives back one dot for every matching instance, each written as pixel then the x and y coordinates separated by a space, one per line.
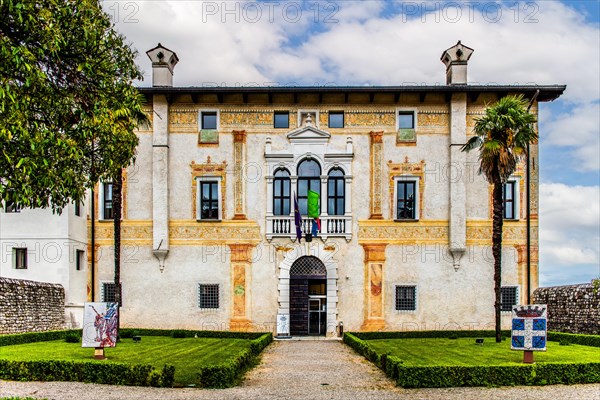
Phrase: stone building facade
pixel 209 234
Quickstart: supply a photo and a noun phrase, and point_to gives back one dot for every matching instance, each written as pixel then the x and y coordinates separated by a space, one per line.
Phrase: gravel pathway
pixel 300 370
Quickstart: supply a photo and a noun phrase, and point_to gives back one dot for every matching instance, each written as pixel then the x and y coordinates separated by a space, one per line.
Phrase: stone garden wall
pixel 27 306
pixel 572 308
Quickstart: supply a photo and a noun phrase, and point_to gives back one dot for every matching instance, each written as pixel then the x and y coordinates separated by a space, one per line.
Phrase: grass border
pixel 455 376
pixel 222 375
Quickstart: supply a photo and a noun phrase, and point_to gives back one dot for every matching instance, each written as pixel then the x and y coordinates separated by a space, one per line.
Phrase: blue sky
pixel 400 42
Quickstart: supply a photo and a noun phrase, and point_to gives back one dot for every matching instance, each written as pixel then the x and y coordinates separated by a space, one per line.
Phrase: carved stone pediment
pixel 308 133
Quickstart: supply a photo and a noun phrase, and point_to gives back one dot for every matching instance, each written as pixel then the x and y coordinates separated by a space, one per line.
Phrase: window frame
pixel 282 112
pixel 514 182
pixel 79 259
pixel 202 306
pixel 211 179
pixel 412 113
pixel 282 198
pixel 103 292
pixel 103 201
pixel 77 208
pixel 336 113
pixel 201 127
pixel 309 179
pixel 417 206
pixel 336 196
pixel 20 259
pixel 397 306
pixel 503 305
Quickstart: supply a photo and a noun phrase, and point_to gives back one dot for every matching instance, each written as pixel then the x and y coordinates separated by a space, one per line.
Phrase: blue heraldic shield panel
pixel 529 327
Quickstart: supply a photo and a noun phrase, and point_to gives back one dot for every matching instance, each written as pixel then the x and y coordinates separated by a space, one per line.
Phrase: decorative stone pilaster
pixel 241 255
pixel 374 306
pixel 239 144
pixel 376 174
pixel 458 159
pixel 522 271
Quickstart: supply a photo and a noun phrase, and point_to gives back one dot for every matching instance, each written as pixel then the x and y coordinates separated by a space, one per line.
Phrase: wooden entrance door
pixel 305 270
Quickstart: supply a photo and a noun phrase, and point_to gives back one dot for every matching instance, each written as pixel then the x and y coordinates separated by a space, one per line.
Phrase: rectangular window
pixel 406 120
pixel 20 257
pixel 336 119
pixel 107 198
pixel 209 199
pixel 509 194
pixel 281 119
pixel 406 199
pixel 208 296
pixel 209 125
pixel 77 209
pixel 209 120
pixel 508 297
pixel 79 259
pixel 109 292
pixel 406 298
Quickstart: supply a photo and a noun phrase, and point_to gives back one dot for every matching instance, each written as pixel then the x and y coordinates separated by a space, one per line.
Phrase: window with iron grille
pixel 20 257
pixel 509 197
pixel 281 192
pixel 508 297
pixel 406 298
pixel 208 296
pixel 109 292
pixel 79 259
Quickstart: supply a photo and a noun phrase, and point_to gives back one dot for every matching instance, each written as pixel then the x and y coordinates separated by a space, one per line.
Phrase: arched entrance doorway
pixel 308 297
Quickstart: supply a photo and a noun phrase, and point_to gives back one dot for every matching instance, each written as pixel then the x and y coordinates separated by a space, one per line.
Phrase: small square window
pixel 208 296
pixel 406 298
pixel 508 297
pixel 336 119
pixel 20 257
pixel 109 292
pixel 406 120
pixel 79 259
pixel 281 119
pixel 209 120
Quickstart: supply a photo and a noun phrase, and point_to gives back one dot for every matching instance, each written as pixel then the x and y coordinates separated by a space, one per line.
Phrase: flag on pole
pixel 314 211
pixel 297 218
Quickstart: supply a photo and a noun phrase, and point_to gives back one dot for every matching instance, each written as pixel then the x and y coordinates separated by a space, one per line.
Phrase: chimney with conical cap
pixel 163 63
pixel 456 58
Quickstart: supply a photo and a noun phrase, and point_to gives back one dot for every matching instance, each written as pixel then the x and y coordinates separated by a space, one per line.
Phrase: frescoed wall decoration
pixel 529 327
pixel 100 324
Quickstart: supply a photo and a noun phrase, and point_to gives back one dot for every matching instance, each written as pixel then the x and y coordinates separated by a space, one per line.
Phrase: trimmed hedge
pixel 129 332
pixel 94 372
pixel 427 334
pixel 452 376
pixel 574 338
pixel 228 374
pixel 22 338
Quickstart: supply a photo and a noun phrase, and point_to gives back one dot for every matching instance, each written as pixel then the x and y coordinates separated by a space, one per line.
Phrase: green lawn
pixel 464 352
pixel 186 355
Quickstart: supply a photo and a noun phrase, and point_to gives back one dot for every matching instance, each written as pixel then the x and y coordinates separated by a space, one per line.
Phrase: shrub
pixel 31 337
pixel 178 334
pixel 426 334
pixel 87 371
pixel 574 338
pixel 72 337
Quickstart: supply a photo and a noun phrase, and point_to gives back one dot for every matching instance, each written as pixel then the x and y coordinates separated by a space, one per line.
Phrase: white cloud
pixel 579 130
pixel 569 231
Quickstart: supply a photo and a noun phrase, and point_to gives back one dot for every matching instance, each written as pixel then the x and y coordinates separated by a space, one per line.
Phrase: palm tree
pixel 502 136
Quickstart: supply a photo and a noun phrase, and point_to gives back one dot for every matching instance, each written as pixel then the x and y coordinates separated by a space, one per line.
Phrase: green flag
pixel 314 209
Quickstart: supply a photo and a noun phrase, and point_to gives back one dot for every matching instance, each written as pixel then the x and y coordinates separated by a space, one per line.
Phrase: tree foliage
pixel 502 136
pixel 68 107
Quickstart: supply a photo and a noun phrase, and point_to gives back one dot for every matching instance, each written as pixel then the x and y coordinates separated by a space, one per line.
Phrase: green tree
pixel 502 136
pixel 68 107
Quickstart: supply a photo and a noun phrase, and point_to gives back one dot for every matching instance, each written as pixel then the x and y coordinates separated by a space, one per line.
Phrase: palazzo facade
pixel 209 233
